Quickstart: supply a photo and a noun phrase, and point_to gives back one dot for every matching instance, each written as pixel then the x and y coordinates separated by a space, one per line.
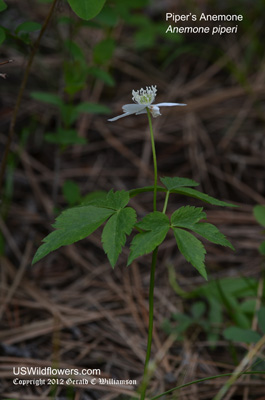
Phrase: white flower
pixel 143 99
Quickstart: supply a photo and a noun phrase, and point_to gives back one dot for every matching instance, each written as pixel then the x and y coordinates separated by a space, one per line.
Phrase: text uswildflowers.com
pixel 49 371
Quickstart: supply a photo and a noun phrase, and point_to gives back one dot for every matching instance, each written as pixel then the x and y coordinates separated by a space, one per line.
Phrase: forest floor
pixel 72 309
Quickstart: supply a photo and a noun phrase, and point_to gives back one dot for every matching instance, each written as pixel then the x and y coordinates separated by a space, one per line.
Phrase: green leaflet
pixel 75 51
pixel 155 227
pixel 177 185
pixel 86 9
pixel 114 200
pixel 72 225
pixel 153 221
pixel 76 223
pixel 64 137
pixel 261 319
pixel 211 233
pixel 92 108
pixel 198 309
pixel 28 26
pixel 215 316
pixel 3 5
pixel 241 335
pixel 103 51
pixel 104 76
pixel 259 213
pixel 201 196
pixel 262 248
pixel 2 35
pixel 232 306
pixel 49 98
pixel 192 249
pixel 187 216
pixel 145 189
pixel 71 193
pixel 93 198
pixel 174 183
pixel 114 234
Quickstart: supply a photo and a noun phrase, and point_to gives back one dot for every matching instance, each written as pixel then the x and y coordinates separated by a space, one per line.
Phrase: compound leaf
pixel 192 249
pixel 71 226
pixel 114 234
pixel 155 227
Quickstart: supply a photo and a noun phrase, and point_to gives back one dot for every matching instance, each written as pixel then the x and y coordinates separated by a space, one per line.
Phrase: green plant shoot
pixel 120 220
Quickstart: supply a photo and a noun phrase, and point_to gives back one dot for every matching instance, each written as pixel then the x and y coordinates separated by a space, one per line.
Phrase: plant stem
pixel 152 273
pixel 154 155
pixel 166 202
pixel 151 320
pixel 239 369
pixel 203 380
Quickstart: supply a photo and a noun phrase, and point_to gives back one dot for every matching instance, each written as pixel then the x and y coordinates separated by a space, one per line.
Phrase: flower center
pixel 144 96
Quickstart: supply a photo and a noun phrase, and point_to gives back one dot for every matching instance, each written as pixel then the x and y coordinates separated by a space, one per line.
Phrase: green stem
pixel 166 202
pixel 151 320
pixel 203 380
pixel 152 273
pixel 154 155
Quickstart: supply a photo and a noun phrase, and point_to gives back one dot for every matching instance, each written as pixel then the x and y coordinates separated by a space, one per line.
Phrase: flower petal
pixel 169 104
pixel 133 108
pixel 120 116
pixel 142 112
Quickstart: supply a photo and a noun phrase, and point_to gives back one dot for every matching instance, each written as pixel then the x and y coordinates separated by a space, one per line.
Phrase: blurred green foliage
pixel 259 213
pixel 224 307
pixel 3 5
pixel 86 9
